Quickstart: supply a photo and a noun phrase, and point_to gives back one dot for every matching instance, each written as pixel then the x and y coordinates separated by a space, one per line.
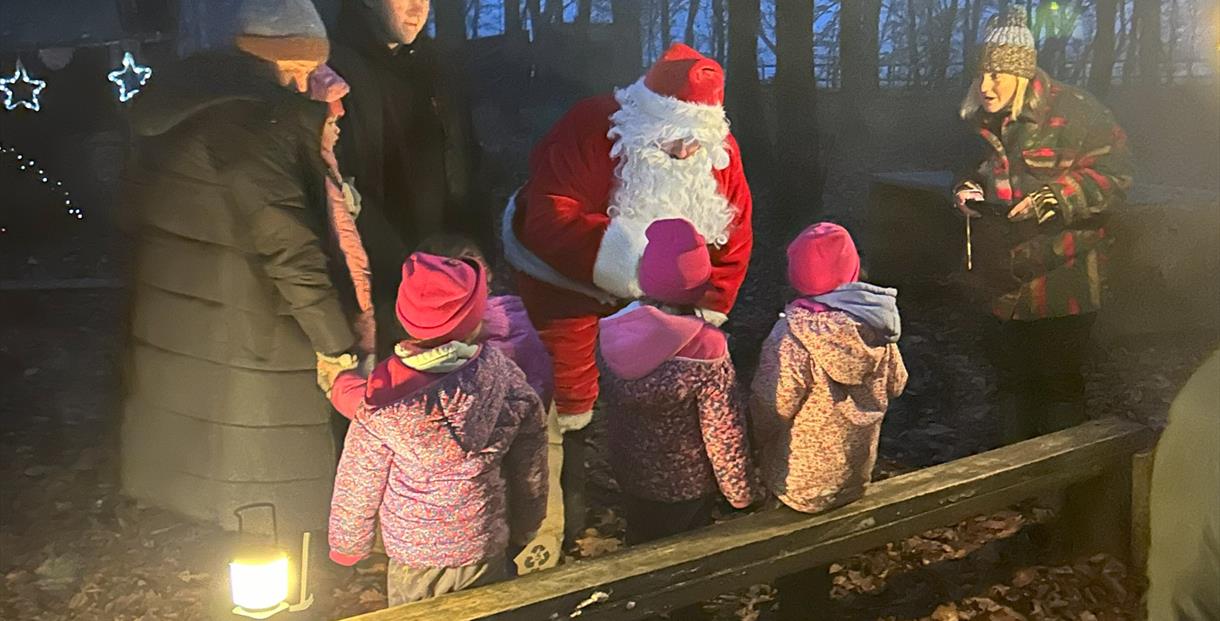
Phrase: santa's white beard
pixel 654 186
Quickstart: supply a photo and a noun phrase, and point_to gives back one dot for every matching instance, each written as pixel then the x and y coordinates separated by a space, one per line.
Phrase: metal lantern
pixel 259 573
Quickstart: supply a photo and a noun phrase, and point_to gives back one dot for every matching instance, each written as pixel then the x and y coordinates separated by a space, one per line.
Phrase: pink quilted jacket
pixel 452 462
pixel 823 384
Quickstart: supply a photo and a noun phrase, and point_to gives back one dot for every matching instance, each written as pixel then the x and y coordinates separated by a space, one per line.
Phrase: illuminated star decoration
pixel 130 78
pixel 20 76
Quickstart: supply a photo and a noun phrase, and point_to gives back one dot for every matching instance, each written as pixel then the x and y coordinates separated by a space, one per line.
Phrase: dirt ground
pixel 71 547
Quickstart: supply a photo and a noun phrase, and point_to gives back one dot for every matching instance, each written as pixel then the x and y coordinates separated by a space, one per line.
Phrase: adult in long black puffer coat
pixel 231 296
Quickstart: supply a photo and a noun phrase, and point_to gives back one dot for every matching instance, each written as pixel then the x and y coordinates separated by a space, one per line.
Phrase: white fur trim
pixel 670 109
pixel 618 259
pixel 574 422
pixel 716 318
pixel 665 118
pixel 527 262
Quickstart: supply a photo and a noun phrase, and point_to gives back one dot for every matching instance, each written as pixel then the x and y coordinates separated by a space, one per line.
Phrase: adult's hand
pixel 1023 210
pixel 965 194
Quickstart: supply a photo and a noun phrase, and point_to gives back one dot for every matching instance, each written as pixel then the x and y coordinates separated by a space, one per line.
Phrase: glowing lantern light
pixel 259 574
pixel 259 579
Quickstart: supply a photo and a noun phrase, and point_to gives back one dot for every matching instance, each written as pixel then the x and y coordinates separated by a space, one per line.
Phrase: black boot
pixel 1013 417
pixel 572 481
pixel 1060 415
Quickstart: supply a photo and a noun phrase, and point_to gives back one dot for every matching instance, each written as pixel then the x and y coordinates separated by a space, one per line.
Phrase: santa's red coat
pixel 558 223
pixel 561 211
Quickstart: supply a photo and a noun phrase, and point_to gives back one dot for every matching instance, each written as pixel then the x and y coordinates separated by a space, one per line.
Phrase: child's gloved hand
pixel 329 367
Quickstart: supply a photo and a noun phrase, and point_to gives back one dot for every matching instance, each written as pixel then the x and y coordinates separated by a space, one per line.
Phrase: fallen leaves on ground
pixel 1093 589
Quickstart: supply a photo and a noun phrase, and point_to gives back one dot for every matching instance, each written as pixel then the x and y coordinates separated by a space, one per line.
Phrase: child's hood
pixel 502 315
pixel 850 352
pixel 639 338
pixel 447 409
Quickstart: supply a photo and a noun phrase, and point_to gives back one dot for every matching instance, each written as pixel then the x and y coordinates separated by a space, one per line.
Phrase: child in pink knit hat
pixel 677 431
pixel 447 444
pixel 826 375
pixel 507 327
pixel 342 209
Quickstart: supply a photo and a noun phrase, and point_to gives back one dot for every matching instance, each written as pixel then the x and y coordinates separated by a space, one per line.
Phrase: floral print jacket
pixel 454 467
pixel 823 384
pixel 679 433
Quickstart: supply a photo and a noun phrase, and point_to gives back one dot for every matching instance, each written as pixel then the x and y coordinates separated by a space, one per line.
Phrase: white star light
pixel 130 78
pixel 21 76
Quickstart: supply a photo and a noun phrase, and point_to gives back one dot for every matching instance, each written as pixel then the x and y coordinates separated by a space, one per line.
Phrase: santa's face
pixel 680 148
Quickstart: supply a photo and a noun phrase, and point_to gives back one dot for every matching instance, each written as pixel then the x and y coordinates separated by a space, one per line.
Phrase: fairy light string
pixel 28 164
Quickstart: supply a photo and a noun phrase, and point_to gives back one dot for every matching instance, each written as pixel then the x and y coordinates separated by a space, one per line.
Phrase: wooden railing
pixel 1092 461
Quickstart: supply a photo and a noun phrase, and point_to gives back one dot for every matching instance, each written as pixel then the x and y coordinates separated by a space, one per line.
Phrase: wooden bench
pixel 1093 461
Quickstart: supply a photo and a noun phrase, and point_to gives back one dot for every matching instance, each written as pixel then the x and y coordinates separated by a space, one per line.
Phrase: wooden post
pixel 805 595
pixel 1096 514
pixel 1141 531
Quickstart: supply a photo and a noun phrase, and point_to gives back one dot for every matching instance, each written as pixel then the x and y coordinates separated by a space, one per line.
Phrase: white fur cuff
pixel 618 259
pixel 574 422
pixel 716 318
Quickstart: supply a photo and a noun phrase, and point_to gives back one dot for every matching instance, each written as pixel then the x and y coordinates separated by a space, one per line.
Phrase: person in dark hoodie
pixel 234 315
pixel 406 139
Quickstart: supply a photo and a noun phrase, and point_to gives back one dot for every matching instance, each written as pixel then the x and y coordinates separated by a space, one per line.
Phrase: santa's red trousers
pixel 567 324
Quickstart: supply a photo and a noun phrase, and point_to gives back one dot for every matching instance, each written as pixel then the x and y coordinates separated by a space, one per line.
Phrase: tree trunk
pixel 1130 41
pixel 858 45
pixel 1148 21
pixel 627 14
pixel 584 17
pixel 795 107
pixel 451 21
pixel 553 13
pixel 534 8
pixel 477 17
pixel 970 37
pixel 512 16
pixel 666 26
pixel 912 44
pixel 719 38
pixel 945 22
pixel 744 103
pixel 1101 73
pixel 692 14
pixel 1174 38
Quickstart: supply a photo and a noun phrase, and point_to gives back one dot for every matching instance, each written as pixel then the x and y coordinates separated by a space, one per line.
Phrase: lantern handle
pixel 275 524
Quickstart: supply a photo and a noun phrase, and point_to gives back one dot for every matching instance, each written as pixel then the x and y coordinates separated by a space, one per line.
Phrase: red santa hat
pixel 675 267
pixel 681 97
pixel 686 75
pixel 440 297
pixel 822 258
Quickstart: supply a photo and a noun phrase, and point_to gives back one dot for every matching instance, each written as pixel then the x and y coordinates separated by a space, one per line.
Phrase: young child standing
pixel 677 427
pixel 826 375
pixel 342 208
pixel 447 444
pixel 507 327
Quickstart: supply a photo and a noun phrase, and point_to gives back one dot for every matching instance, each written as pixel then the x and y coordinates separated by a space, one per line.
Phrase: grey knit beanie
pixel 1008 45
pixel 282 30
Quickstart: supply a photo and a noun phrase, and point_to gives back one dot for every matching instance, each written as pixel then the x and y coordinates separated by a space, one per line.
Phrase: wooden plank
pixel 653 578
pixel 1141 523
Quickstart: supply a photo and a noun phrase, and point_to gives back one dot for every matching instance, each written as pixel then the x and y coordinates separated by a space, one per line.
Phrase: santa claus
pixel 657 149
